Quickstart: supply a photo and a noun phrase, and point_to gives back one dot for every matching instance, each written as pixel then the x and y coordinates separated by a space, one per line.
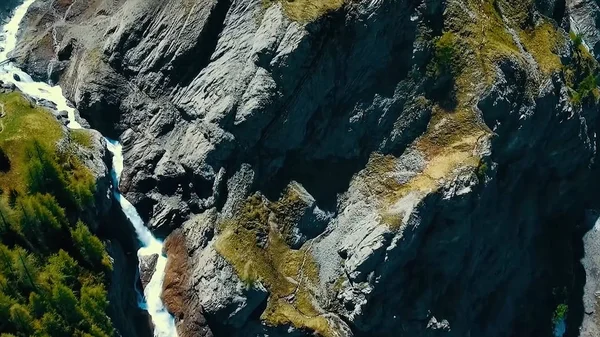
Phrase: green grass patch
pixel 306 10
pixel 542 42
pixel 22 121
pixel 560 313
pixel 582 75
pixel 82 137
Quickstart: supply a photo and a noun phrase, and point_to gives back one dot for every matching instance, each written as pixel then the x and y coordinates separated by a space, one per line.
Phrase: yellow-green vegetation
pixel 288 210
pixel 445 54
pixel 22 120
pixel 582 74
pixel 306 10
pixel 82 137
pixel 53 270
pixel 560 313
pixel 542 42
pixel 254 245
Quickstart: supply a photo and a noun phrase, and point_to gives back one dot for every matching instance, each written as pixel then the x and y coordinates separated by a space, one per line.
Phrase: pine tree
pixel 54 325
pixel 37 304
pixel 61 268
pixel 94 305
pixel 26 269
pixel 6 261
pixel 22 320
pixel 6 302
pixel 90 247
pixel 65 303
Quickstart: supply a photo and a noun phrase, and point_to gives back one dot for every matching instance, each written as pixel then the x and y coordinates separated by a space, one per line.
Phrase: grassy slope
pixel 21 122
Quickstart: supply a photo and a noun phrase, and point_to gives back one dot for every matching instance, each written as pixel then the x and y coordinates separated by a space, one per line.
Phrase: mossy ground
pixel 542 42
pixel 23 123
pixel 82 137
pixel 254 245
pixel 306 10
pixel 582 75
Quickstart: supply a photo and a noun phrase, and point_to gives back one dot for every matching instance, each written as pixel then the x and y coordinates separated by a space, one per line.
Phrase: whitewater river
pixel 164 325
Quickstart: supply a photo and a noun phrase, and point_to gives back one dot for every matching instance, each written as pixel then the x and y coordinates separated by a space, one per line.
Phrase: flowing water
pixel 164 324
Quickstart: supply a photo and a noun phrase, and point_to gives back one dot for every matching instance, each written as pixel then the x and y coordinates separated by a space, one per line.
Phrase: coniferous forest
pixel 53 269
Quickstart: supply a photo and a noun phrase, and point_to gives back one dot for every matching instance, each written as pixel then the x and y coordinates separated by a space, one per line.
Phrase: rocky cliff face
pixel 362 168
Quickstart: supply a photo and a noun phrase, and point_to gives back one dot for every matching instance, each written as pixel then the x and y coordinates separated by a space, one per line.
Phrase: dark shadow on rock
pixel 323 179
pixel 442 91
pixel 4 162
pixel 125 287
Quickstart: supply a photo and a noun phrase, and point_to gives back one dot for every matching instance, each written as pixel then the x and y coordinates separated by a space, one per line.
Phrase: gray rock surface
pixel 147 268
pixel 591 291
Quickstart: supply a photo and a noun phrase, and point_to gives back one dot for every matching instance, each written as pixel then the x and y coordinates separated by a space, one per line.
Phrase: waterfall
pixel 164 323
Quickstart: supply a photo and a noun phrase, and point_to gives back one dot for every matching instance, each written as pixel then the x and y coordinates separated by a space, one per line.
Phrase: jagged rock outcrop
pixel 345 168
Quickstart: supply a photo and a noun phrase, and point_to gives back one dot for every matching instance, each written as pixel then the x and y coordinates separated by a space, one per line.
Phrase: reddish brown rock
pixel 177 294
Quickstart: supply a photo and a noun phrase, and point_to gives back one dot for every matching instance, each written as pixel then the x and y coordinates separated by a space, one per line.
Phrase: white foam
pixel 164 323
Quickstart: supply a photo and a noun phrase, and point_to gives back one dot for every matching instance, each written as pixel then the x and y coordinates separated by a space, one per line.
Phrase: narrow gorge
pixel 315 167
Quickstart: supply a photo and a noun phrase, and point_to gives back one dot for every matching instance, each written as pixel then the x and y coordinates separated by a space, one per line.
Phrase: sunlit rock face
pixel 345 168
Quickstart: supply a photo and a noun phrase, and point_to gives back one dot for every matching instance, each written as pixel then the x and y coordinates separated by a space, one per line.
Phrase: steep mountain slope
pixel 366 168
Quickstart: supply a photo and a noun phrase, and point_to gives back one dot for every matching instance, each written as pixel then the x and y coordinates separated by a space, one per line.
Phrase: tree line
pixel 53 269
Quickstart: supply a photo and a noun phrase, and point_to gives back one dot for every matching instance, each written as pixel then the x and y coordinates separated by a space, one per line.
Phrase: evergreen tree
pixel 22 320
pixel 26 269
pixel 90 247
pixel 54 325
pixel 65 304
pixel 94 305
pixel 6 302
pixel 37 304
pixel 44 291
pixel 61 268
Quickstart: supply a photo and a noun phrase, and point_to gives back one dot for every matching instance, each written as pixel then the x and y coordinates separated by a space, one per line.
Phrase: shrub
pixel 560 313
pixel 445 53
pixel 576 38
